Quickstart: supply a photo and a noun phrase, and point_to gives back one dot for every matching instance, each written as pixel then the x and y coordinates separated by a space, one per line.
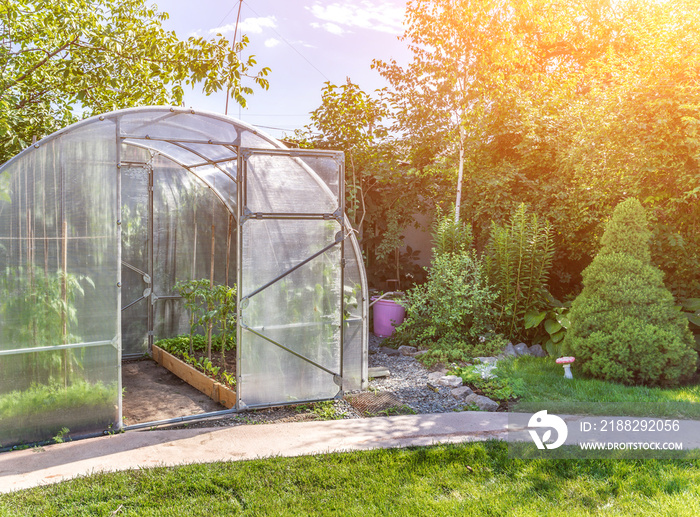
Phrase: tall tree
pixel 63 60
pixel 382 193
pixel 567 106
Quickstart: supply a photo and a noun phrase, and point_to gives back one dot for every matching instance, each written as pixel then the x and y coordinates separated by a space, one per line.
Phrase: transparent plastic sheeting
pixel 301 312
pixel 165 180
pixel 59 361
pixel 185 212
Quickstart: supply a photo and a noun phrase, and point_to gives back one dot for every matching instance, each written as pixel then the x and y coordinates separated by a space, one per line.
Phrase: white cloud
pixel 272 42
pixel 329 27
pixel 382 17
pixel 248 26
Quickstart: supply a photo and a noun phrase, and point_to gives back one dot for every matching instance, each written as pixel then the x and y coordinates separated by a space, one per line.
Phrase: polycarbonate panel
pixel 222 179
pixel 326 168
pixel 280 184
pixel 178 153
pixel 177 125
pixel 301 311
pixel 59 288
pixel 184 214
pixel 36 404
pixel 135 265
pixel 213 152
pixel 354 322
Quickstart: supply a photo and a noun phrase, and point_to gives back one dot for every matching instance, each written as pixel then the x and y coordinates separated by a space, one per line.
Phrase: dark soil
pixel 152 393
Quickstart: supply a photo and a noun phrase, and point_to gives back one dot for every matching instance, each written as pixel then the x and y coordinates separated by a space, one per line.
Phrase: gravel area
pixel 408 382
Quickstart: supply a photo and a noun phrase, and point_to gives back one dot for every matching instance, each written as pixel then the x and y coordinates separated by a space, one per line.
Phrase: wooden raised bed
pixel 211 388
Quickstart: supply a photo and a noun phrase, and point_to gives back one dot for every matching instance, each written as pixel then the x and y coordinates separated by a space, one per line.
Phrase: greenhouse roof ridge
pixel 156 110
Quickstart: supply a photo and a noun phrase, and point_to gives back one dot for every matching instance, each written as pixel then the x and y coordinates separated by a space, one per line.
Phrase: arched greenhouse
pixel 103 218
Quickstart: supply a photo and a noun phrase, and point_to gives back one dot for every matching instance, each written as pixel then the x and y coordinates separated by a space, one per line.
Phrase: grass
pixel 466 479
pixel 546 388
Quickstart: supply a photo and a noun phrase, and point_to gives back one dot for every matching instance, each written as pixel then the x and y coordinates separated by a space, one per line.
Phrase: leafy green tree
pixel 383 192
pixel 76 58
pixel 625 326
pixel 567 106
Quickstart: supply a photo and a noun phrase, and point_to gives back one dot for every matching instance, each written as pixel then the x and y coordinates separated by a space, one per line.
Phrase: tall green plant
pixel 38 310
pixel 453 311
pixel 519 260
pixel 450 236
pixel 226 313
pixel 191 292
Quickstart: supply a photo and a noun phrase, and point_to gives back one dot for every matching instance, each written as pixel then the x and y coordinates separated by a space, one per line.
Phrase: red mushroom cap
pixel 566 360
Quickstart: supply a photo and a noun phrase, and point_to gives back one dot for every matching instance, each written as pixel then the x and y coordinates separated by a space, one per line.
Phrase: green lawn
pixel 470 479
pixel 544 387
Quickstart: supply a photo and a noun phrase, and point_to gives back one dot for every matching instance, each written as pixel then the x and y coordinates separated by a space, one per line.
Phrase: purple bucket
pixel 387 315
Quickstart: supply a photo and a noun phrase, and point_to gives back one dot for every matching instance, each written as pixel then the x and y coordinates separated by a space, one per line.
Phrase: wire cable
pixel 233 48
pixel 290 45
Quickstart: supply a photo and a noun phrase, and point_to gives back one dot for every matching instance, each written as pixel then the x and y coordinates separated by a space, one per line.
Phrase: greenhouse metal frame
pixel 104 217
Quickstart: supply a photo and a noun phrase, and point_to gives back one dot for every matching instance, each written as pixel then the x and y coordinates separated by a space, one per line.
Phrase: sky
pixel 304 42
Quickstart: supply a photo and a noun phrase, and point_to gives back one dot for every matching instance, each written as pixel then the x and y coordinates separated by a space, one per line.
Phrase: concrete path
pixel 137 449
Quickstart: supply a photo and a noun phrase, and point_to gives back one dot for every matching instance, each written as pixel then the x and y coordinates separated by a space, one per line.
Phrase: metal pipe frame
pixel 118 222
pixel 179 419
pixel 91 344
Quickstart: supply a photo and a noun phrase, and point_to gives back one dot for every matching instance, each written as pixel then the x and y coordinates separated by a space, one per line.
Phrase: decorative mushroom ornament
pixel 566 363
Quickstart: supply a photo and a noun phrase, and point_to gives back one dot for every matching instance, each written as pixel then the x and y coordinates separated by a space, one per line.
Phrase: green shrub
pixel 519 260
pixel 624 325
pixel 452 311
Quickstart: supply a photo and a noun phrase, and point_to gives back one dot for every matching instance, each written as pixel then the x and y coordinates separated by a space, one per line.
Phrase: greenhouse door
pixel 136 210
pixel 290 267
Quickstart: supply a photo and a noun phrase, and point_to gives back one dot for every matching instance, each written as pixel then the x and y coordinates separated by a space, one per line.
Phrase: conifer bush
pixel 624 325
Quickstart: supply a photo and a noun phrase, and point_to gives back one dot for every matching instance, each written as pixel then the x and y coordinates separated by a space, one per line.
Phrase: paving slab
pixel 142 449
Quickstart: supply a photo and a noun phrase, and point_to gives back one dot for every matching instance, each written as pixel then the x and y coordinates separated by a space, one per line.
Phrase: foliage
pixel 225 313
pixel 82 57
pixel 624 325
pixel 190 292
pixel 567 106
pixel 519 260
pixel 178 346
pixel 551 325
pixel 450 236
pixel 40 412
pixel 691 309
pixel 450 314
pixel 61 436
pixel 324 410
pixel 181 344
pixel 382 191
pixel 502 390
pixel 38 310
pixel 210 306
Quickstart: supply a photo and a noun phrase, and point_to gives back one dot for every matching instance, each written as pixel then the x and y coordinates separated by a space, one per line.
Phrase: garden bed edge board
pixel 212 389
